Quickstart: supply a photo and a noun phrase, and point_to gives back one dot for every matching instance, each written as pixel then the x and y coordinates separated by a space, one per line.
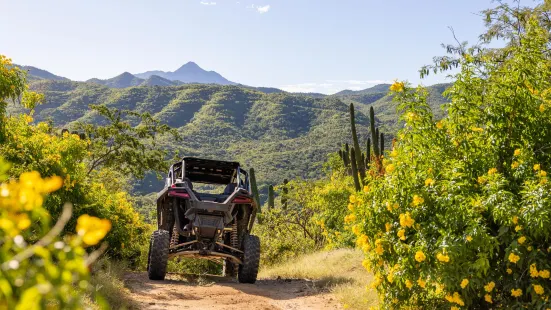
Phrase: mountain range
pixel 280 134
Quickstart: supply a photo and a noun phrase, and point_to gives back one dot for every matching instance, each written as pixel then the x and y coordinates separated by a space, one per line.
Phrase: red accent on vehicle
pixel 178 194
pixel 242 200
pixel 173 185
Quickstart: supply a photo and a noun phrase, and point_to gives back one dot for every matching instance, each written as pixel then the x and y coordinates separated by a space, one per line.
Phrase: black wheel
pixel 158 255
pixel 229 269
pixel 251 259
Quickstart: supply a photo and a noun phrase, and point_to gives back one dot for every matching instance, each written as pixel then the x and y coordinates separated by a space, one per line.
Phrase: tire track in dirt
pixel 212 292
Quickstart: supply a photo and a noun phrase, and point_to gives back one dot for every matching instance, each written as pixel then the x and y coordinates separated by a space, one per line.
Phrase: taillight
pixel 178 194
pixel 242 200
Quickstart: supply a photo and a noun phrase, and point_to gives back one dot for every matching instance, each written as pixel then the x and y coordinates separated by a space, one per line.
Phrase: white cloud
pixel 207 3
pixel 263 9
pixel 332 86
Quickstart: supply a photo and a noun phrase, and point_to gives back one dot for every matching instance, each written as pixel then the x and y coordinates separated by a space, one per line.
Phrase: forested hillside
pixel 282 135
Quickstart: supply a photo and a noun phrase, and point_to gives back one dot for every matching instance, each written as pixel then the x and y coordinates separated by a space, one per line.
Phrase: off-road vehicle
pixel 205 225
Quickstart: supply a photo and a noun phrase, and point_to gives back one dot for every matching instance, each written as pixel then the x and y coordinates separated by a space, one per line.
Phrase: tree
pixel 126 148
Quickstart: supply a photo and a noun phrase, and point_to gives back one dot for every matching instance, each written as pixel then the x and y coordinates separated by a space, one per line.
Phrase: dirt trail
pixel 211 292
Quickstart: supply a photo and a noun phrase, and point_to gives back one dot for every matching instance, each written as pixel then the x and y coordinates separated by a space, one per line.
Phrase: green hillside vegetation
pixel 282 135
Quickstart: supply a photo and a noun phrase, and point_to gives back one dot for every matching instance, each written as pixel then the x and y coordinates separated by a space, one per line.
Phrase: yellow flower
pixel 394 153
pixel 481 180
pixel 489 287
pixel 457 299
pixel 350 218
pixel 492 171
pixel 351 207
pixel 517 152
pixel 513 258
pixel 543 174
pixel 515 219
pixel 390 277
pixel 417 200
pixel 397 86
pixel 390 168
pixel 356 230
pixel 422 283
pixel 92 229
pixel 429 182
pixel 388 207
pixel 443 258
pixel 469 238
pixel 366 265
pixel 537 167
pixel 406 220
pixel 477 129
pixel 515 165
pixel 352 199
pixel 542 108
pixel 488 298
pixel 439 125
pixel 516 292
pixel 377 281
pixel 409 284
pixel 521 240
pixel 509 271
pixel 534 271
pixel 366 189
pixel 538 289
pixel 420 256
pixel 518 228
pixel 464 283
pixel 544 274
pixel 402 234
pixel 362 240
pixel 388 226
pixel 378 247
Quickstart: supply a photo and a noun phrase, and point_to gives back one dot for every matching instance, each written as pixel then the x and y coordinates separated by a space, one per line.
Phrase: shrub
pixel 461 217
pixel 53 271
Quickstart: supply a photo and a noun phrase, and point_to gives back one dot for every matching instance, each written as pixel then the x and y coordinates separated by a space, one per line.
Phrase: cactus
pixel 346 155
pixel 374 137
pixel 354 170
pixel 254 189
pixel 382 141
pixel 363 161
pixel 284 195
pixel 368 152
pixel 358 158
pixel 271 197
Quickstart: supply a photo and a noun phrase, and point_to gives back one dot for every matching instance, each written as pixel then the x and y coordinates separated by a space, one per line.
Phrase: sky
pixel 297 45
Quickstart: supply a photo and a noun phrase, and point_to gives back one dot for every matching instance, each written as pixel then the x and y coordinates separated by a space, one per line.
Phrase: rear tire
pixel 251 259
pixel 158 255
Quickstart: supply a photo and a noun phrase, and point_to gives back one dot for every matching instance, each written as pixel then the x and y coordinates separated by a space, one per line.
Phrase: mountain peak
pixel 188 67
pixel 190 72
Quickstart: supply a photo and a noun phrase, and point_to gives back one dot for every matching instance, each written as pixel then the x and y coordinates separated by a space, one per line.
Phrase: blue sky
pixel 298 45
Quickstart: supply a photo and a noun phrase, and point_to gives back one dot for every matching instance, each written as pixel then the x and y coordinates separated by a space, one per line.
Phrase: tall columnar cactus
pixel 271 197
pixel 346 155
pixel 254 189
pixel 374 137
pixel 382 141
pixel 355 170
pixel 358 153
pixel 285 193
pixel 368 152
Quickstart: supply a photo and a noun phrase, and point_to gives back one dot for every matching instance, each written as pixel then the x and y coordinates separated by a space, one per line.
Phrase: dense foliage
pixel 461 215
pixel 39 268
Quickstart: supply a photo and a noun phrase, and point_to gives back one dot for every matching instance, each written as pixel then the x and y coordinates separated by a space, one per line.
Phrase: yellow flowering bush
pixel 473 215
pixel 51 272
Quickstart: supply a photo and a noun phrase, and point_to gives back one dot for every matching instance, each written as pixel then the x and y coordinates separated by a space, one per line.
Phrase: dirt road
pixel 211 292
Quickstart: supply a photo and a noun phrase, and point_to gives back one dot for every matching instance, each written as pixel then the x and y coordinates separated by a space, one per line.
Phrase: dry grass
pixel 340 271
pixel 108 287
